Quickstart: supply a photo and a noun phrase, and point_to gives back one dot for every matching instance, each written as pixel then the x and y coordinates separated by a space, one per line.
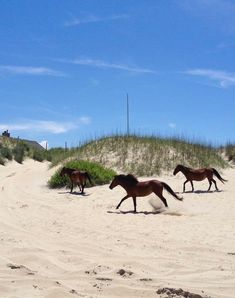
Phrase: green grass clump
pixel 99 174
pixel 230 151
pixel 2 161
pixel 41 155
pixel 6 153
pixel 20 151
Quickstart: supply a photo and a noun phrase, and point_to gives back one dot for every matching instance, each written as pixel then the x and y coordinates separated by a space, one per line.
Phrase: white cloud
pixel 107 65
pixel 94 19
pixel 218 13
pixel 44 144
pixel 85 120
pixel 224 78
pixel 172 125
pixel 29 70
pixel 45 126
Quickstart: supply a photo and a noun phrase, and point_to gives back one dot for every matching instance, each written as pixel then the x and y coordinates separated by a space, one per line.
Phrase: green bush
pixel 38 155
pixel 99 175
pixel 230 152
pixel 2 161
pixel 56 181
pixel 6 153
pixel 19 152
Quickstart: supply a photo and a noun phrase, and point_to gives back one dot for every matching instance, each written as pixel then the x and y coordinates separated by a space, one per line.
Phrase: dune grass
pixel 142 155
pixel 18 150
pixel 139 155
pixel 230 151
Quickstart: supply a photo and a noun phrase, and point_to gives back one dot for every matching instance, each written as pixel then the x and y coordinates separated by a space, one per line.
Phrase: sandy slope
pixel 55 244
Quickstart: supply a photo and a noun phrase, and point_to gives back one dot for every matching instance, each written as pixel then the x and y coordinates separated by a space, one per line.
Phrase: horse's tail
pixel 168 188
pixel 215 172
pixel 88 177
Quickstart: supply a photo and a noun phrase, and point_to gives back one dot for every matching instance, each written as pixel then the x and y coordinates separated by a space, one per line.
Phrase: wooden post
pixel 127 115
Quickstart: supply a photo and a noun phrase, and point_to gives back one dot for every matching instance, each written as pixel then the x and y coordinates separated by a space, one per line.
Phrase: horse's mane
pixel 66 170
pixel 129 178
pixel 184 167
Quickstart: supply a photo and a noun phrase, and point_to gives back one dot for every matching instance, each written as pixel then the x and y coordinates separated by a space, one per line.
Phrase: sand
pixel 56 245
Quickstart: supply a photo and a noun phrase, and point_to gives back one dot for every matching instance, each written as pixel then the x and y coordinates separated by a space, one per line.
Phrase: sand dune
pixel 57 245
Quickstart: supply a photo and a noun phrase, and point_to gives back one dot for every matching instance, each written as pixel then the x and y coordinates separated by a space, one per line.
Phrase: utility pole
pixel 127 115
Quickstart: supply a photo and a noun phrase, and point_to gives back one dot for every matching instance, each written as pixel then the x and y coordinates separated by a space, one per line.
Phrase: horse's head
pixel 62 172
pixel 115 182
pixel 123 180
pixel 177 169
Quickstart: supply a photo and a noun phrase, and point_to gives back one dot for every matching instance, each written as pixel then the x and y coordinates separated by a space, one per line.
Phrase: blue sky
pixel 67 65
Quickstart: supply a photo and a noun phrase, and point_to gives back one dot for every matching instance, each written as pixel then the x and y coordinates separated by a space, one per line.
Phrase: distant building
pixel 6 134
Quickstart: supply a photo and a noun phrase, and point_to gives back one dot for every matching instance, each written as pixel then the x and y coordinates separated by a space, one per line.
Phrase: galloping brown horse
pixel 76 177
pixel 199 175
pixel 134 188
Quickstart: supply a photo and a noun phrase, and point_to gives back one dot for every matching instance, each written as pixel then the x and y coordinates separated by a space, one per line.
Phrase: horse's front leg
pixel 71 190
pixel 134 202
pixel 122 201
pixel 79 186
pixel 82 188
pixel 191 185
pixel 184 185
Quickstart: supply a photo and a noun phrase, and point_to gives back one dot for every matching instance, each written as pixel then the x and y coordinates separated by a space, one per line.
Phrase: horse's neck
pixel 185 169
pixel 127 184
pixel 124 184
pixel 69 172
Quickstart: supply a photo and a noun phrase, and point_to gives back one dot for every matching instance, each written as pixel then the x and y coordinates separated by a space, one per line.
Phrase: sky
pixel 66 67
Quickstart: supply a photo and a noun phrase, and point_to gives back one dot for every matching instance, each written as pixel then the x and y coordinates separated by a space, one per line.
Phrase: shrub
pixel 38 155
pixel 6 153
pixel 2 161
pixel 18 152
pixel 99 175
pixel 230 152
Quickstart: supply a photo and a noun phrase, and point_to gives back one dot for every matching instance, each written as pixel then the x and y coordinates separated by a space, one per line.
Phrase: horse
pixel 76 177
pixel 134 188
pixel 199 175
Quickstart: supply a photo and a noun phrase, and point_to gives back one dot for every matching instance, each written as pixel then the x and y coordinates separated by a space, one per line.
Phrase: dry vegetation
pixel 142 155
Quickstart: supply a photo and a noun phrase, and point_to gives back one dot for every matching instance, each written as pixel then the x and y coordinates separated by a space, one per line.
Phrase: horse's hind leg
pixel 192 185
pixel 163 200
pixel 79 186
pixel 209 185
pixel 122 201
pixel 215 184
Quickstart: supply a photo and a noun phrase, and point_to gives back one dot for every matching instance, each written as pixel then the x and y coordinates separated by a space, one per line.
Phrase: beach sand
pixel 55 244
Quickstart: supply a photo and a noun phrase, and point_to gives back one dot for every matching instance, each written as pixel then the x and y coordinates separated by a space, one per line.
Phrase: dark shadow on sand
pixel 138 212
pixel 206 191
pixel 77 193
pixel 200 191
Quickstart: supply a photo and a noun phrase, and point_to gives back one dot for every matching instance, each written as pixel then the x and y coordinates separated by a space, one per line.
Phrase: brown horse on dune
pixel 198 175
pixel 76 177
pixel 134 188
